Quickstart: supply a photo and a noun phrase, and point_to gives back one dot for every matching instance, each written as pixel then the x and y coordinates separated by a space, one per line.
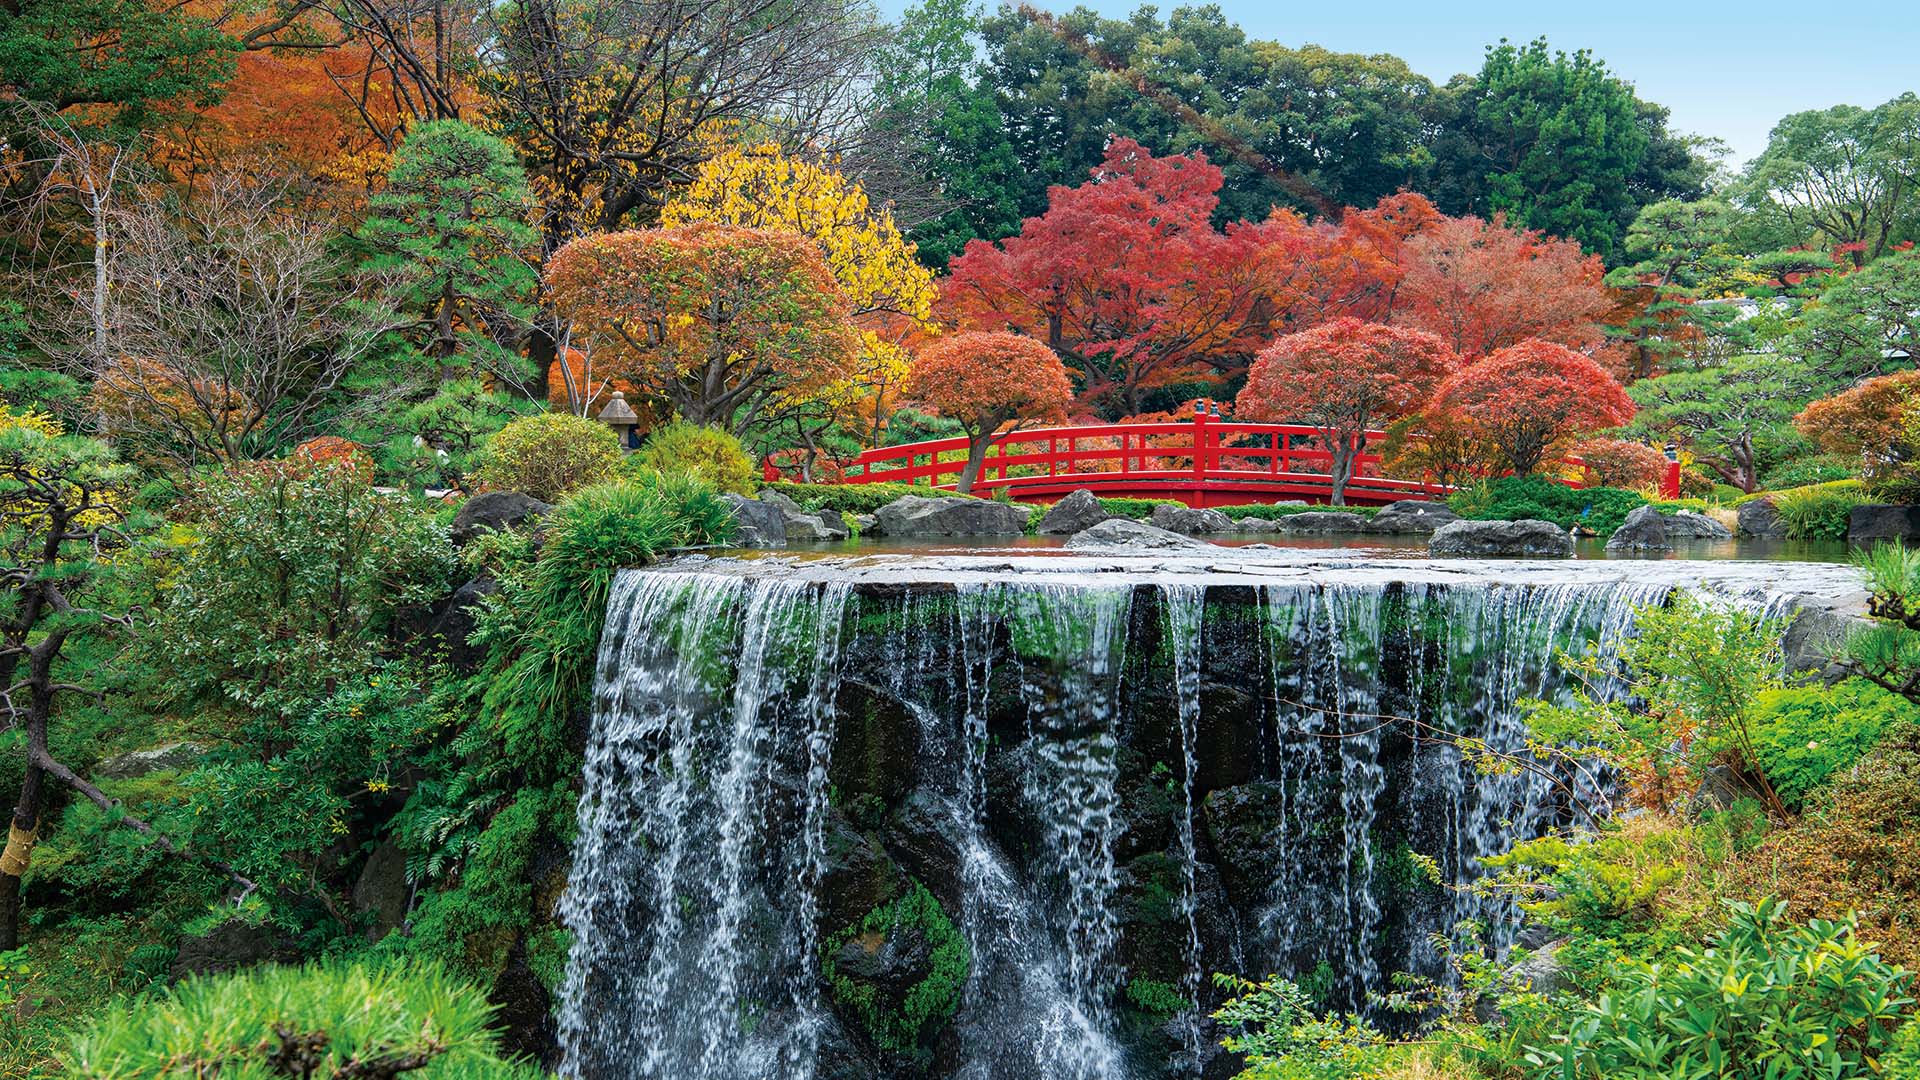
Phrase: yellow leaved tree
pixel 890 295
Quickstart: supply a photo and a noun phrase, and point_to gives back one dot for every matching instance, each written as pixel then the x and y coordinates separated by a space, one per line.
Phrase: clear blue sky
pixel 1725 69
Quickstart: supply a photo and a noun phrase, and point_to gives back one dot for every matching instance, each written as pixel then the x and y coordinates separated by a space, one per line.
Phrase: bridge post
pixel 1200 457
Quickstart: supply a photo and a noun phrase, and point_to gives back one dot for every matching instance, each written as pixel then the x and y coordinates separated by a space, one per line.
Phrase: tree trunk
pixel 976 455
pixel 1345 449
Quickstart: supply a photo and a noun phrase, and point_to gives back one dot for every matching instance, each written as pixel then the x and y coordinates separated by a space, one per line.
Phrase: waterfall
pixel 1103 795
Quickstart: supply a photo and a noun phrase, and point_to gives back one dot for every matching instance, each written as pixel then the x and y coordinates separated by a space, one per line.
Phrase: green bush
pixel 1515 498
pixel 322 1020
pixel 1805 734
pixel 708 453
pixel 1284 1036
pixel 550 455
pixel 1268 510
pixel 1817 469
pixel 1767 1000
pixel 1819 511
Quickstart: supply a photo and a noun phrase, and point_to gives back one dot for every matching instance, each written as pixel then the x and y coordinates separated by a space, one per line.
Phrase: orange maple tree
pixel 1866 420
pixel 1620 463
pixel 990 383
pixel 1483 286
pixel 1533 397
pixel 726 325
pixel 1344 378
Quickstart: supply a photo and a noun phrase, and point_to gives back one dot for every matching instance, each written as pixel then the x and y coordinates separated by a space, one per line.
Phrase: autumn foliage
pixel 1621 463
pixel 1865 420
pixel 989 382
pixel 723 323
pixel 1533 398
pixel 1344 378
pixel 1483 286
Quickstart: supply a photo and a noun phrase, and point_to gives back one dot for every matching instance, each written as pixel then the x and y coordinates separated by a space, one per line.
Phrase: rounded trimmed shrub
pixel 708 453
pixel 549 456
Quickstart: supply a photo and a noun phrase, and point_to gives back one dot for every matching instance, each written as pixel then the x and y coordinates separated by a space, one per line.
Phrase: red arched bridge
pixel 1202 462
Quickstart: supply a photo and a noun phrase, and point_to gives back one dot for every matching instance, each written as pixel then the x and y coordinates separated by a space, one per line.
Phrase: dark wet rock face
pixel 1501 539
pixel 756 524
pixel 1316 521
pixel 1644 530
pixel 1077 512
pixel 1107 774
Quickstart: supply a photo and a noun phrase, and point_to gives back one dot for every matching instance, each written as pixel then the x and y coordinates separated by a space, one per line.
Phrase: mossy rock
pixel 898 973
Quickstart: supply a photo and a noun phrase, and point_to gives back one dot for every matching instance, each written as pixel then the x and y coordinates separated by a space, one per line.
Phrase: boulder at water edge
pixel 1644 530
pixel 1186 519
pixel 1481 539
pixel 1412 517
pixel 755 523
pixel 1692 525
pixel 954 515
pixel 1322 521
pixel 1878 521
pixel 1075 513
pixel 1760 520
pixel 1124 533
pixel 806 526
pixel 494 510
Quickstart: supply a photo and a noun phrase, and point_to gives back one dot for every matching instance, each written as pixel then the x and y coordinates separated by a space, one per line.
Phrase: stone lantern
pixel 620 416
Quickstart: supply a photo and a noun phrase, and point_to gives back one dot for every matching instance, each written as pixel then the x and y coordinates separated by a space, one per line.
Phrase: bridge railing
pixel 1204 462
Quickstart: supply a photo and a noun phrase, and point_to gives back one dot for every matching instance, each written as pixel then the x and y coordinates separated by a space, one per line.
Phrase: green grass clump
pixel 322 1020
pixel 1819 511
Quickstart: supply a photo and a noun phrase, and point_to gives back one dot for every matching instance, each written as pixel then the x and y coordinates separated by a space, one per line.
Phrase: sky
pixel 1729 70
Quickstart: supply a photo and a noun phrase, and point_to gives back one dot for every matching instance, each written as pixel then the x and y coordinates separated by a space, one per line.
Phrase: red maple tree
pixel 1530 398
pixel 1483 286
pixel 1124 276
pixel 1344 378
pixel 989 383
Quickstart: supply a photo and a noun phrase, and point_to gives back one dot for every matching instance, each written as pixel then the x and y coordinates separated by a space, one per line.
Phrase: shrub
pixel 1621 463
pixel 1817 469
pixel 295 578
pixel 850 498
pixel 1283 1035
pixel 1767 1000
pixel 1268 510
pixel 550 455
pixel 1819 511
pixel 708 453
pixel 328 1020
pixel 1805 734
pixel 1512 498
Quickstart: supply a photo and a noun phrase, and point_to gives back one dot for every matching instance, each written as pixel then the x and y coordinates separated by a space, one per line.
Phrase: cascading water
pixel 1109 785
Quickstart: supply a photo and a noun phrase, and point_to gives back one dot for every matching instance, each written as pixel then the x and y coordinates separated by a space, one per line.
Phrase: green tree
pixel 1846 176
pixel 1735 418
pixel 1865 324
pixel 1559 144
pixel 129 54
pixel 452 222
pixel 1676 253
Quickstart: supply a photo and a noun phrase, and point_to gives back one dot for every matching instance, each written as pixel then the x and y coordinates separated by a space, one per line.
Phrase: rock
pixel 382 890
pixel 1186 519
pixel 865 524
pixel 1075 513
pixel 1540 971
pixel 1259 525
pixel 1477 539
pixel 768 495
pixel 230 946
pixel 954 515
pixel 805 526
pixel 1322 521
pixel 491 511
pixel 755 523
pixel 1761 521
pixel 1720 787
pixel 1692 525
pixel 1644 530
pixel 1881 521
pixel 1812 637
pixel 1412 517
pixel 455 618
pixel 173 755
pixel 1246 825
pixel 1135 535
